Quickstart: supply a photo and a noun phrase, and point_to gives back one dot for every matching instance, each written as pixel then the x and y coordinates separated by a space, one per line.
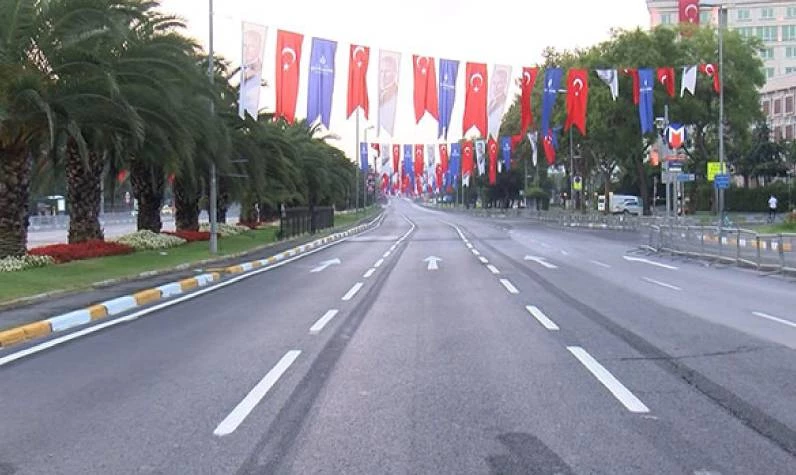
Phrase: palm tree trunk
pixel 148 184
pixel 186 200
pixel 15 170
pixel 83 194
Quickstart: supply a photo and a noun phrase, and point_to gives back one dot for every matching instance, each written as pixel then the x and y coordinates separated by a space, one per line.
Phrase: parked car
pixel 621 204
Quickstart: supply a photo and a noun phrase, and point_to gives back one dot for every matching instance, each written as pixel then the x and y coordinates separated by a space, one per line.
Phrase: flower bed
pixel 84 250
pixel 225 230
pixel 147 240
pixel 13 264
pixel 190 236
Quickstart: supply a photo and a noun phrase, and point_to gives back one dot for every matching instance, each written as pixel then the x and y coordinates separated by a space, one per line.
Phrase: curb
pixel 113 307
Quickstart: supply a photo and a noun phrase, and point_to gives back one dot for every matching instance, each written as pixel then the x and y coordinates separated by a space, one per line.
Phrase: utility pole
pixel 357 161
pixel 722 25
pixel 213 184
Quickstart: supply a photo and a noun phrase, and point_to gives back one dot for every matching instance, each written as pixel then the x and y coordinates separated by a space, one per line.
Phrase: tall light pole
pixel 213 184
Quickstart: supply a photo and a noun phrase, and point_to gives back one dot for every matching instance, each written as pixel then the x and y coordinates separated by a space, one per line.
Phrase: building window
pixel 777 106
pixel 789 104
pixel 746 31
pixel 743 14
pixel 766 108
pixel 788 32
pixel 789 132
pixel 766 33
pixel 767 53
pixel 790 70
pixel 767 13
pixel 791 12
pixel 777 133
pixel 704 18
pixel 769 73
pixel 667 19
pixel 790 52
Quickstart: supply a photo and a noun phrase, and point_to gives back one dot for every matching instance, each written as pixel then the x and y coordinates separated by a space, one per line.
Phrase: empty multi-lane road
pixel 434 343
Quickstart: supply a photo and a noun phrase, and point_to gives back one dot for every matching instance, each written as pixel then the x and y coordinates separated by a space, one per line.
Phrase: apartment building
pixel 777 99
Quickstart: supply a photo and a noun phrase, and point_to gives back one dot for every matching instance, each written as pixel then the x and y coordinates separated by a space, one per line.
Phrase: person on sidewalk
pixel 772 208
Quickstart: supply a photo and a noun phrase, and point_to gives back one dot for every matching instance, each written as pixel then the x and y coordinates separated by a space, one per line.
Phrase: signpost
pixel 721 181
pixel 715 168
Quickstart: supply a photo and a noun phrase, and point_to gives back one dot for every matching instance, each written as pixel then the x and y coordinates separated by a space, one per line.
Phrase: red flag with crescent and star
pixel 396 156
pixel 443 156
pixel 549 144
pixel 467 158
pixel 632 72
pixel 689 11
pixel 577 99
pixel 419 159
pixel 425 87
pixel 358 60
pixel 491 148
pixel 711 71
pixel 288 61
pixel 666 78
pixel 527 82
pixel 475 98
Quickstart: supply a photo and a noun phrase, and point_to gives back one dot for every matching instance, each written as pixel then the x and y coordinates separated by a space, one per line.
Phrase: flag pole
pixel 357 162
pixel 213 179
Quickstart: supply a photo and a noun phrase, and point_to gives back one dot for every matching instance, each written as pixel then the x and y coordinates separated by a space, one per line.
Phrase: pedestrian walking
pixel 772 208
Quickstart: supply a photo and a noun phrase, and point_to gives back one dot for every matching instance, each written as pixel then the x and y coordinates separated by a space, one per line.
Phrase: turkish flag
pixel 419 159
pixel 467 158
pixel 528 81
pixel 475 98
pixel 288 62
pixel 438 173
pixel 634 74
pixel 443 156
pixel 577 99
pixel 711 70
pixel 358 61
pixel 425 87
pixel 396 156
pixel 689 11
pixel 549 144
pixel 121 176
pixel 666 77
pixel 492 153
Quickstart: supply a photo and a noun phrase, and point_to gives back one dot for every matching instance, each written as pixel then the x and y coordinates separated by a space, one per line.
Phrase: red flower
pixel 83 250
pixel 190 236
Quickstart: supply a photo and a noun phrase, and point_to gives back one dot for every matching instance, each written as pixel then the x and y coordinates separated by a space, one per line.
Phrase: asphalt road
pixel 588 357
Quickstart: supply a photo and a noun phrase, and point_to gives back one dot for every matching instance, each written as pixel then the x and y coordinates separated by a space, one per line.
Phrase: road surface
pixel 437 344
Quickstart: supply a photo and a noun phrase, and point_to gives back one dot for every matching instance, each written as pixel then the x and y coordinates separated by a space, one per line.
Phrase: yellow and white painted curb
pixel 119 305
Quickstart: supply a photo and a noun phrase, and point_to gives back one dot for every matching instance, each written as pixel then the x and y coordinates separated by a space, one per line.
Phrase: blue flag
pixel 321 81
pixel 363 157
pixel 408 163
pixel 646 81
pixel 552 81
pixel 455 165
pixel 505 147
pixel 448 69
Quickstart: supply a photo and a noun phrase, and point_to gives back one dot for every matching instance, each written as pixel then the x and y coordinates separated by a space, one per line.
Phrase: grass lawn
pixel 776 228
pixel 81 274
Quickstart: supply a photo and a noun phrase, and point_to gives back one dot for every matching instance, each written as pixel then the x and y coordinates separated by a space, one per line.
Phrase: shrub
pixel 13 264
pixel 190 236
pixel 147 240
pixel 84 250
pixel 225 230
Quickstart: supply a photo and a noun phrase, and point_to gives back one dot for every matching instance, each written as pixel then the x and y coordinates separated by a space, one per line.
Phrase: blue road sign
pixel 686 177
pixel 721 181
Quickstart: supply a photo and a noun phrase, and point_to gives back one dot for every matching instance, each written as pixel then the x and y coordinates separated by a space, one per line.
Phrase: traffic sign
pixel 721 181
pixel 686 177
pixel 714 168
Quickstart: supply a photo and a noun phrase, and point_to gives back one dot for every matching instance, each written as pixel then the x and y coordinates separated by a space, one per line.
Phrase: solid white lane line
pixel 386 254
pixel 565 253
pixel 326 318
pixel 541 317
pixel 493 269
pixel 541 261
pixel 353 291
pixel 369 273
pixel 509 286
pixel 601 264
pixel 378 263
pixel 469 246
pixel 662 284
pixel 475 252
pixel 245 407
pixel 483 260
pixel 647 261
pixel 775 319
pixel 620 392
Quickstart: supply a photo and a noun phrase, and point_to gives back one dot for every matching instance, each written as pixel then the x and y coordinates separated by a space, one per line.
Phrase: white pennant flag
pixel 611 78
pixel 533 137
pixel 689 80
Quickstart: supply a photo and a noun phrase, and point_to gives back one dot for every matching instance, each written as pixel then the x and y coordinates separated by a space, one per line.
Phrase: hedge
pixel 745 199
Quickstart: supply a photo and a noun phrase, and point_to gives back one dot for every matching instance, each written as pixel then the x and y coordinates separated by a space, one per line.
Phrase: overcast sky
pixel 492 31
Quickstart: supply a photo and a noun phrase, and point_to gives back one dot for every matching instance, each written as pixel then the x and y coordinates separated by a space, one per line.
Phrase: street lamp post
pixel 213 184
pixel 365 172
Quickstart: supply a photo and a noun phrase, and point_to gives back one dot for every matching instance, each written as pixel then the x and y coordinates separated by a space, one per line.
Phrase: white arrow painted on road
pixel 432 262
pixel 541 261
pixel 326 264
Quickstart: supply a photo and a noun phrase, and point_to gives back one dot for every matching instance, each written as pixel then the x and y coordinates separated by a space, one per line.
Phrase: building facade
pixel 777 99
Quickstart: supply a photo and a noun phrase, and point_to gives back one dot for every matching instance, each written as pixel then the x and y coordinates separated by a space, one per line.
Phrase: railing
pixel 297 221
pixel 765 252
pixel 61 221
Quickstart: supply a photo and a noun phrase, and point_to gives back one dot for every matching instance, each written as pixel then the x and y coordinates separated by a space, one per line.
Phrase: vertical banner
pixel 467 162
pixel 498 93
pixel 493 162
pixel 425 93
pixel 253 49
pixel 455 163
pixel 475 99
pixel 389 72
pixel 443 156
pixel 419 162
pixel 646 114
pixel 552 81
pixel 480 156
pixel 407 169
pixel 528 81
pixel 363 156
pixel 385 159
pixel 358 61
pixel 505 150
pixel 448 70
pixel 320 87
pixel 577 99
pixel 689 11
pixel 288 67
pixel 396 156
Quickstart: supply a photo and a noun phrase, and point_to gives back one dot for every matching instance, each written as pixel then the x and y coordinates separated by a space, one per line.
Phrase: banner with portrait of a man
pixel 253 50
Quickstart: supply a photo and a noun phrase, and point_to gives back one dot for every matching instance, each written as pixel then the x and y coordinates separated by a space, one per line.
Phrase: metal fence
pixel 61 221
pixel 766 252
pixel 297 221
